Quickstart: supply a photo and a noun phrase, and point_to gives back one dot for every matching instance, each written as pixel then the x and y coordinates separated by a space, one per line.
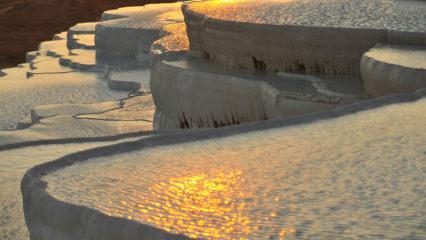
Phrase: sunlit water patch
pixel 402 15
pixel 354 177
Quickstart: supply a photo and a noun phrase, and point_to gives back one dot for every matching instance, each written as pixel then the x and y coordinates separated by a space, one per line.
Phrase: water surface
pixel 401 15
pixel 361 176
pixel 13 165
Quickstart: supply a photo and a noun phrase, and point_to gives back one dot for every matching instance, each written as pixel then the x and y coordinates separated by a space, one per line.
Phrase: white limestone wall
pixel 391 69
pixel 191 98
pixel 122 38
pixel 80 28
pixel 172 45
pixel 328 50
pixel 406 38
pixel 280 47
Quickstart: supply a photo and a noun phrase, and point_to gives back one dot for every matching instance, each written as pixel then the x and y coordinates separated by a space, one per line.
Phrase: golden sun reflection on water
pixel 217 201
pixel 309 181
pixel 206 204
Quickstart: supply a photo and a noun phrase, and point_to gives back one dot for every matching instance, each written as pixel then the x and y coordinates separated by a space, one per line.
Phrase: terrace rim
pixel 51 219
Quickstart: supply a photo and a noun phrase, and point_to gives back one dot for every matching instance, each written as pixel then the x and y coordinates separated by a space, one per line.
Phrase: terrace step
pixel 391 69
pixel 194 93
pixel 131 80
pixel 127 37
pixel 287 35
pixel 83 41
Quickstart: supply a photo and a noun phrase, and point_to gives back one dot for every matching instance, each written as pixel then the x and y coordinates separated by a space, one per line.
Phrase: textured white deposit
pixel 399 15
pixel 393 69
pixel 327 36
pixel 84 41
pixel 53 75
pixel 133 34
pixel 80 59
pixel 131 80
pixel 172 45
pixel 53 98
pixel 77 121
pixel 18 97
pixel 146 11
pixel 304 182
pixel 199 94
pixel 93 83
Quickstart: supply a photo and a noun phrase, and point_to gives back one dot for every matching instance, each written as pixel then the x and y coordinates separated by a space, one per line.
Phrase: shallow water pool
pixel 361 176
pixel 13 164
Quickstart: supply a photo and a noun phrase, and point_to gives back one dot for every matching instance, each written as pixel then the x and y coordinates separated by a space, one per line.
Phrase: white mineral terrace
pixel 354 169
pixel 63 94
pixel 12 225
pixel 172 45
pixel 300 35
pixel 393 69
pixel 199 94
pixel 146 11
pixel 401 15
pixel 134 33
pixel 320 183
pixel 66 70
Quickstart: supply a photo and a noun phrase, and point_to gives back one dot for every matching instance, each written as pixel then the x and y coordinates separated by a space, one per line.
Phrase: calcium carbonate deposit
pixel 304 182
pixel 67 71
pixel 301 35
pixel 64 93
pixel 400 15
pixel 13 164
pixel 353 71
pixel 393 69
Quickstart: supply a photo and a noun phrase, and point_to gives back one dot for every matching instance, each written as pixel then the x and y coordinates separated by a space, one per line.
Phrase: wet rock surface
pixel 349 196
pixel 199 94
pixel 136 31
pixel 295 35
pixel 394 69
pixel 65 94
pixel 142 71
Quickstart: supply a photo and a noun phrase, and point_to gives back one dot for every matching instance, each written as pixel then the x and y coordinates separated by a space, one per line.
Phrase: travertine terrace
pixel 301 35
pixel 200 101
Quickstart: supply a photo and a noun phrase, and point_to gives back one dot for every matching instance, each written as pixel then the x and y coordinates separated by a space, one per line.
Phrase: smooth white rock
pixel 390 69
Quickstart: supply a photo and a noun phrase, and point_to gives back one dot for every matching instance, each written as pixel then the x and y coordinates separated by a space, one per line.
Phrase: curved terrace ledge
pixel 49 218
pixel 136 31
pixel 393 69
pixel 232 97
pixel 312 36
